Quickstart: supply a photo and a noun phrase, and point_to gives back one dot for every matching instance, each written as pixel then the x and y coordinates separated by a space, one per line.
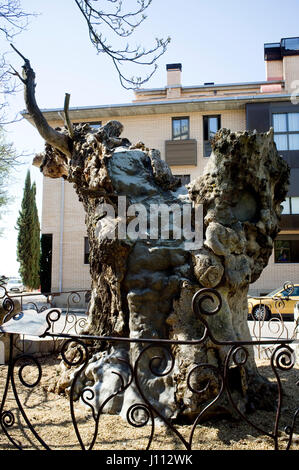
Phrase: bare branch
pixel 13 20
pixel 123 25
pixel 16 74
pixel 68 122
pixel 18 52
pixel 56 139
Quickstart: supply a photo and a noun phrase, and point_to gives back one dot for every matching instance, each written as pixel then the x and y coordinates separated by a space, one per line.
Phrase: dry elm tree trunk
pixel 143 287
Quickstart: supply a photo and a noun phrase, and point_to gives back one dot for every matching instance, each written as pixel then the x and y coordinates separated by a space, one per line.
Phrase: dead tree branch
pixel 67 118
pixel 56 139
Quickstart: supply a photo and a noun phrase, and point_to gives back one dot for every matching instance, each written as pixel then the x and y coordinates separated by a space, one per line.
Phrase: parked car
pixel 280 301
pixel 14 284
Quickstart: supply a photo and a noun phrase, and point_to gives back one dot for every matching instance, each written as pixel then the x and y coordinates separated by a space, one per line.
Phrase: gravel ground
pixel 50 415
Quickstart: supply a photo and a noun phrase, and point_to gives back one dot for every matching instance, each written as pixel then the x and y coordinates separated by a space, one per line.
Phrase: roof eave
pixel 158 107
pixel 145 91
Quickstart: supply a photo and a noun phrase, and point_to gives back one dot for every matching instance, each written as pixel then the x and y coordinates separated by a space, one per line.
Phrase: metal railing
pixel 72 318
pixel 16 415
pixel 273 314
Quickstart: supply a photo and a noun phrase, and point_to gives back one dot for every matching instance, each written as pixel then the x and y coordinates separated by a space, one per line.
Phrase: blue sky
pixel 218 41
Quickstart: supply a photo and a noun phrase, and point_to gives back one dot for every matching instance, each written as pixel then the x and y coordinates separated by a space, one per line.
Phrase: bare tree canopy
pixel 123 25
pixel 116 22
pixel 13 20
pixel 105 19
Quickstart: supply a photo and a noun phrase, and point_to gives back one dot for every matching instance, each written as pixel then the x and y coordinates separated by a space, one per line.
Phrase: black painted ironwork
pixel 143 412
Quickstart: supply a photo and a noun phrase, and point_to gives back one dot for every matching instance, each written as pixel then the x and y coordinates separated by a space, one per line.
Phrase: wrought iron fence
pixel 72 319
pixel 18 414
pixel 273 313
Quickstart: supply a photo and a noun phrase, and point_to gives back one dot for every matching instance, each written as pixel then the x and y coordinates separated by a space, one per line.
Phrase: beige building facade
pixel 179 121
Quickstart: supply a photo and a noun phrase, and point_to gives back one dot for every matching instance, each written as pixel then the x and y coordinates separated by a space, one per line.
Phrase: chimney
pixel 274 61
pixel 174 74
pixel 282 61
pixel 174 82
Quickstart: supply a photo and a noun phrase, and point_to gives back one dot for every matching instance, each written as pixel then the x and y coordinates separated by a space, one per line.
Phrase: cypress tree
pixel 35 281
pixel 28 243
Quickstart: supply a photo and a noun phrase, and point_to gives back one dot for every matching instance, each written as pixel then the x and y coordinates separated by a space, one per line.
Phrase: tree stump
pixel 143 283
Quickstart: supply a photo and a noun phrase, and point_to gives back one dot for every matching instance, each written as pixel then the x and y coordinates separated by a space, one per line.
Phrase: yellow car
pixel 280 301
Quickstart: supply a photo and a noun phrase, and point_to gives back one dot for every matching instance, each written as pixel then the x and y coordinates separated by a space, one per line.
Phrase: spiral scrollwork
pixel 52 317
pixel 9 307
pixel 279 304
pixel 8 304
pixel 7 419
pixel 87 396
pixel 139 414
pixel 240 355
pixel 71 318
pixel 3 291
pixel 289 287
pixel 283 358
pixel 80 324
pixel 203 296
pixel 79 356
pixel 74 297
pixel 161 365
pixel 26 361
pixel 205 383
pixel 276 326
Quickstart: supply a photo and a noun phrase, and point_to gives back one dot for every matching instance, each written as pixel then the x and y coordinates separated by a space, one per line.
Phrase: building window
pixel 286 131
pixel 211 124
pixel 185 179
pixel 180 128
pixel 290 46
pixel 86 250
pixel 95 124
pixel 290 206
pixel 286 251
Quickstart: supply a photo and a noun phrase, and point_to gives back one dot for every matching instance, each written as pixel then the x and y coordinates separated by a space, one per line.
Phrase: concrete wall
pixel 291 72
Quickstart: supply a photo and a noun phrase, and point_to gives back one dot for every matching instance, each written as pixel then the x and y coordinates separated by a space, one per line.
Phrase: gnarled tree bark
pixel 143 288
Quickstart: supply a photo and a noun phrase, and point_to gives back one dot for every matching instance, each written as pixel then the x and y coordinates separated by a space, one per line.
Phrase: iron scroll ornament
pixel 160 364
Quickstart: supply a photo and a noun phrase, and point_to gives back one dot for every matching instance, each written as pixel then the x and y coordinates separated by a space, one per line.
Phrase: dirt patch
pixel 50 417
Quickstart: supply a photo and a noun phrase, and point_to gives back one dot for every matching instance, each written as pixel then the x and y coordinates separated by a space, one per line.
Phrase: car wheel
pixel 261 312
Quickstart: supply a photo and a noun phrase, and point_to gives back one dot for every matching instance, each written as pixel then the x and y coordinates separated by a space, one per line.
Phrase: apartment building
pixel 180 121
